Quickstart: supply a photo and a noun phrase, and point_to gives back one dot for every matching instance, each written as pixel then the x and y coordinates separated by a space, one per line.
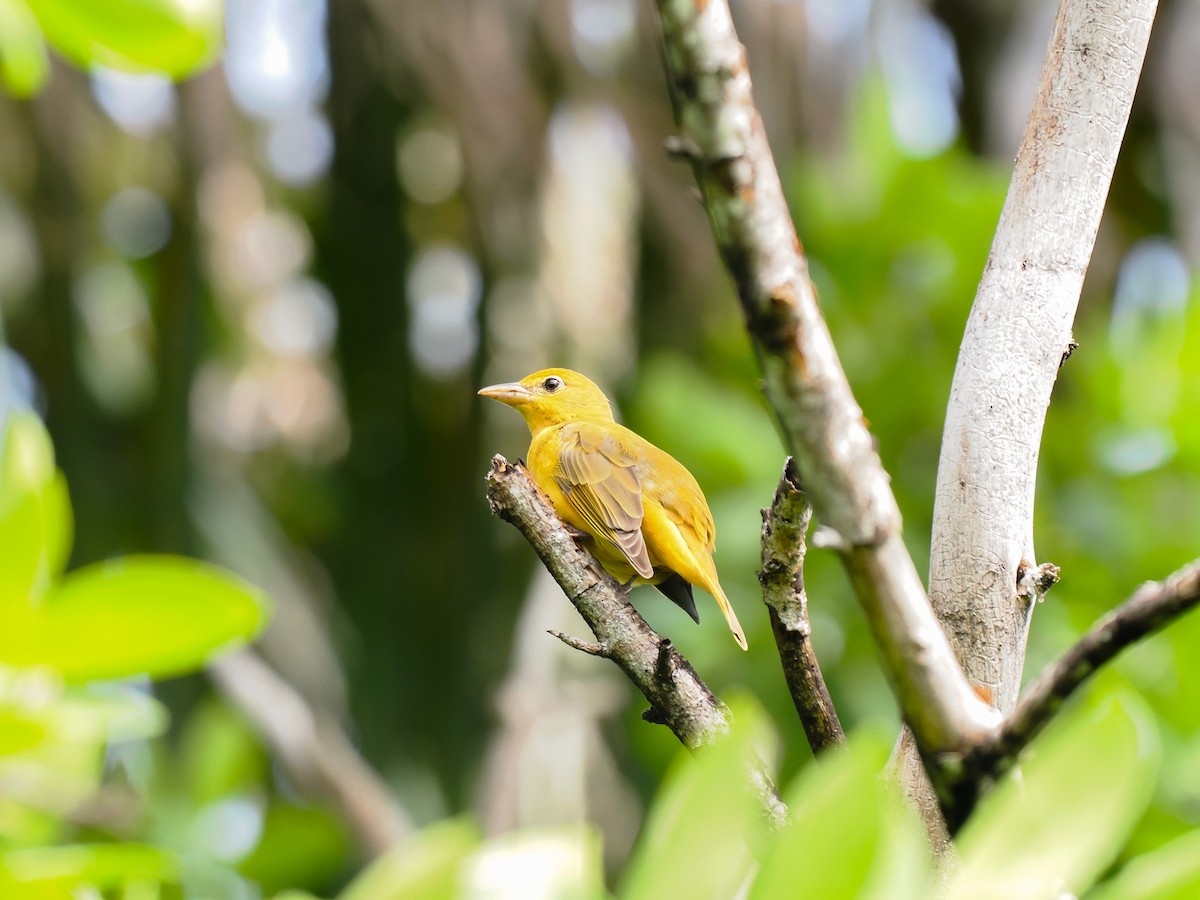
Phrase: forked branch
pixel 1154 605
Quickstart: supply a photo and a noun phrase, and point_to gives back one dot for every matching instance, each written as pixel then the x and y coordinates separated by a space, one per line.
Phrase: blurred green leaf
pixel 220 753
pixel 19 731
pixel 174 37
pixel 23 60
pixel 1172 872
pixel 27 457
pixel 694 841
pixel 100 866
pixel 424 868
pixel 106 713
pixel 21 826
pixel 1052 825
pixel 35 514
pixel 301 847
pixel 563 863
pixel 140 615
pixel 851 835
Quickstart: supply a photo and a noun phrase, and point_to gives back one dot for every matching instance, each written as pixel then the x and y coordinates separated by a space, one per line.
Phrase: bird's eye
pixel 552 384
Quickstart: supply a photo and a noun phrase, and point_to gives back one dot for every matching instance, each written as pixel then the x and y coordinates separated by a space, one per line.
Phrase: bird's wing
pixel 693 516
pixel 599 478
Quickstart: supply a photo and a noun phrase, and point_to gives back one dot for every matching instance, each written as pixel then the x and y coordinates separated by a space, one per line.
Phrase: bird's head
pixel 553 397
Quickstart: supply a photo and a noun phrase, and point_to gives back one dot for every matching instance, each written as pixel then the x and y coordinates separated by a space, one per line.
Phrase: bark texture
pixel 782 578
pixel 1019 331
pixel 1153 606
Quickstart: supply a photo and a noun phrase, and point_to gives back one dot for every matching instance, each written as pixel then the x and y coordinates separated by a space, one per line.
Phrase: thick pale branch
pixel 1017 337
pixel 782 578
pixel 723 136
pixel 678 697
pixel 1154 605
pixel 1019 333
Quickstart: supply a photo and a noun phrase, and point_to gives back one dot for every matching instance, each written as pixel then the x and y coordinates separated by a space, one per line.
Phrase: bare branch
pixel 1017 337
pixel 1019 333
pixel 782 578
pixel 1154 605
pixel 314 750
pixel 678 697
pixel 724 137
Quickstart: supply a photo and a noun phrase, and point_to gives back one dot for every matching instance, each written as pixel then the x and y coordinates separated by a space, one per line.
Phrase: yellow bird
pixel 645 514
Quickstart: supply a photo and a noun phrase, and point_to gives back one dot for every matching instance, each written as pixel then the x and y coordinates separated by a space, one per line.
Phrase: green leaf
pixel 851 835
pixel 220 754
pixel 140 615
pixel 694 842
pixel 428 867
pixel 24 64
pixel 101 866
pixel 561 862
pixel 105 713
pixel 1172 872
pixel 35 514
pixel 300 846
pixel 1053 825
pixel 19 731
pixel 175 37
pixel 27 457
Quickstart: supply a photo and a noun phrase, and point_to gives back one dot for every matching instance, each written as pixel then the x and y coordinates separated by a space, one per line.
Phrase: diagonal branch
pixel 314 750
pixel 1154 605
pixel 677 696
pixel 782 578
pixel 723 136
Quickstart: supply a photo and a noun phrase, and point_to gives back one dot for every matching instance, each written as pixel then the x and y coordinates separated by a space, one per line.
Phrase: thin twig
pixel 782 578
pixel 1152 606
pixel 591 648
pixel 678 697
pixel 313 750
pixel 723 134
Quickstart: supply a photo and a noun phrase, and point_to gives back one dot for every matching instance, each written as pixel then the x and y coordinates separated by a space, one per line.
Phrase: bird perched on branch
pixel 645 515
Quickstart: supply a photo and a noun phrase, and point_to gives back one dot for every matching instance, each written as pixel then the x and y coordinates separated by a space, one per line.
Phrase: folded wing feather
pixel 599 478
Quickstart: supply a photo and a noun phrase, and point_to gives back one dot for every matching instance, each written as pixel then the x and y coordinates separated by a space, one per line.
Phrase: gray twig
pixel 782 579
pixel 591 648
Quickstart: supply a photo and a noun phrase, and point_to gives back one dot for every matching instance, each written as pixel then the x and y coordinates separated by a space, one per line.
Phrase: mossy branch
pixel 782 579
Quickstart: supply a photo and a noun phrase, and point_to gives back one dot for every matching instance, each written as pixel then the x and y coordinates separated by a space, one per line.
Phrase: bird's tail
pixel 730 616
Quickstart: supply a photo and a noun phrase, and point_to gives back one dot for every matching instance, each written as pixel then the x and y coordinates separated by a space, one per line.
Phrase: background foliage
pixel 253 308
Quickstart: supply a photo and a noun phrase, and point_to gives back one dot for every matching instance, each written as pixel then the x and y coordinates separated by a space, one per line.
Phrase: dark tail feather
pixel 679 592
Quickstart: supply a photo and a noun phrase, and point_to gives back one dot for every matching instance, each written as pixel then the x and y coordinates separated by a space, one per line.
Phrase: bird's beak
pixel 510 393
